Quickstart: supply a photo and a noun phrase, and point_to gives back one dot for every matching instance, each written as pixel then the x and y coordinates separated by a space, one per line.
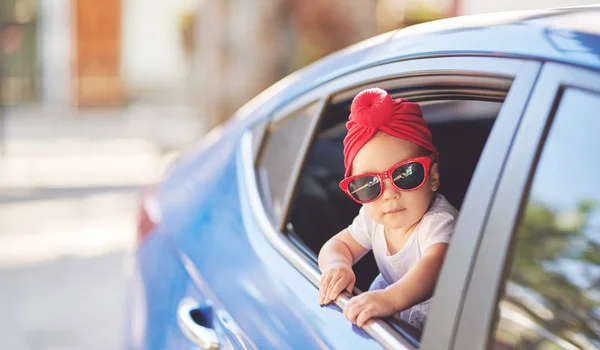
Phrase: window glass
pixel 280 152
pixel 551 298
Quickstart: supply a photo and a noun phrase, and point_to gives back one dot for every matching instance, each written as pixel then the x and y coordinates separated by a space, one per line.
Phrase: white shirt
pixel 436 226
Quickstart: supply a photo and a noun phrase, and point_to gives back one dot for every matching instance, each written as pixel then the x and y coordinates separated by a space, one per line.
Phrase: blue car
pixel 229 239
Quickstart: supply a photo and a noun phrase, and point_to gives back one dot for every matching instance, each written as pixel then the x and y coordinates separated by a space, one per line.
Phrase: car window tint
pixel 551 298
pixel 280 152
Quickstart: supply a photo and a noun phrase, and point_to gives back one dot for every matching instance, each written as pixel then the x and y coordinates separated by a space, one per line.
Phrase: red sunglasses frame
pixel 425 161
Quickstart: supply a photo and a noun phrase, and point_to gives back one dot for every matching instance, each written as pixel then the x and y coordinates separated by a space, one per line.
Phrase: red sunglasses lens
pixel 409 176
pixel 364 188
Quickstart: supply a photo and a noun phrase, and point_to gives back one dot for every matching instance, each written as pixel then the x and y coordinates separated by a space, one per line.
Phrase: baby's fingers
pixel 352 310
pixel 350 286
pixel 364 316
pixel 339 287
pixel 334 280
pixel 325 280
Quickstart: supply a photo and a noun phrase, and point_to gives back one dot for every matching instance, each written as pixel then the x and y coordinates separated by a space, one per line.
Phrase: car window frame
pixel 522 72
pixel 492 262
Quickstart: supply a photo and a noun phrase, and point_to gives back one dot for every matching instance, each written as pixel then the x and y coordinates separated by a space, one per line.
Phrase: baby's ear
pixel 434 176
pixel 435 170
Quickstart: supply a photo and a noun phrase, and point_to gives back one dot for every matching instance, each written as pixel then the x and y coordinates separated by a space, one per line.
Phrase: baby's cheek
pixel 375 212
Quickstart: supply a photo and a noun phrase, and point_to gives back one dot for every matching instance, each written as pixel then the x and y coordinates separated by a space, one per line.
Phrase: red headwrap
pixel 374 110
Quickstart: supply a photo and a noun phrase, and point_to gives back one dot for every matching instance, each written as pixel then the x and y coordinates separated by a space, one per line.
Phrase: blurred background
pixel 98 96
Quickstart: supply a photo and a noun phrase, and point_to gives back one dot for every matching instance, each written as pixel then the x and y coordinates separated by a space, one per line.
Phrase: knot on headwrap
pixel 374 110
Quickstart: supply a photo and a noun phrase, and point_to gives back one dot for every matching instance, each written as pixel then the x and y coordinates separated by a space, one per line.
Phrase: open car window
pixel 460 121
pixel 461 105
pixel 320 209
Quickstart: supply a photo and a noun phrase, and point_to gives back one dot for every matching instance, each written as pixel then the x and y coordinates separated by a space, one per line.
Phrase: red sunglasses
pixel 405 176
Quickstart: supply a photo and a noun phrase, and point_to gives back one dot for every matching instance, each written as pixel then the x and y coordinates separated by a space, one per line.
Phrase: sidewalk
pixel 59 147
pixel 69 185
pixel 69 180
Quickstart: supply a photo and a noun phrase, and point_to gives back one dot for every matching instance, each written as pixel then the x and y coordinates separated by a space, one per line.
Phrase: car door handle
pixel 196 322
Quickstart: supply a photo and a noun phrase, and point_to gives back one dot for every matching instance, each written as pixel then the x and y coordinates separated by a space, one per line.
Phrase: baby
pixel 392 170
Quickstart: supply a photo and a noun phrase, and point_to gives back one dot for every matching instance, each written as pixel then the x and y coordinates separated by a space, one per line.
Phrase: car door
pixel 171 309
pixel 535 283
pixel 274 154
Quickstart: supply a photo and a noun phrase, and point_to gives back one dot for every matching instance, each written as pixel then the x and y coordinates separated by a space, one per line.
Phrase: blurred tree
pixel 187 23
pixel 558 264
pixel 242 47
pixel 394 14
pixel 421 13
pixel 328 26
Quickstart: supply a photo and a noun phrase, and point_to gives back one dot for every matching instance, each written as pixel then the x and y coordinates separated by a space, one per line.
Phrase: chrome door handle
pixel 202 335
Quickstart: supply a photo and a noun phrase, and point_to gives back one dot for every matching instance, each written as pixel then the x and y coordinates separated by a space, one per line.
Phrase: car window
pixel 551 295
pixel 281 151
pixel 320 209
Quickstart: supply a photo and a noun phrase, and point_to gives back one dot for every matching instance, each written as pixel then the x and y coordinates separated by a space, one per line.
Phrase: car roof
pixel 568 35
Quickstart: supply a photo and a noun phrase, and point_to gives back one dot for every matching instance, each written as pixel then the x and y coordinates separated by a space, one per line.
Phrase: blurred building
pixel 54 52
pixel 215 55
pixel 470 7
pixel 91 52
pixel 96 70
pixel 19 67
pixel 242 47
pixel 154 59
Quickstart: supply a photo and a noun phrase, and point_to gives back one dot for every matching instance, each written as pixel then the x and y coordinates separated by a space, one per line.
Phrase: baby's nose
pixel 389 191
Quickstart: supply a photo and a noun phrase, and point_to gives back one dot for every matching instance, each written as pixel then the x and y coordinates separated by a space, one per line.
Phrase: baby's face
pixel 380 154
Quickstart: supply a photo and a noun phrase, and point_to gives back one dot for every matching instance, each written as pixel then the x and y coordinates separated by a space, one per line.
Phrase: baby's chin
pixel 399 226
pixel 395 223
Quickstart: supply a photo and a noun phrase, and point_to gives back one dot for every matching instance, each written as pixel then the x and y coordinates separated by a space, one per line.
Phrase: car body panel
pixel 158 283
pixel 217 242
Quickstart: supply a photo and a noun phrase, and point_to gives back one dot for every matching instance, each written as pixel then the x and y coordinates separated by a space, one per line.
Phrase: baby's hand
pixel 333 281
pixel 368 305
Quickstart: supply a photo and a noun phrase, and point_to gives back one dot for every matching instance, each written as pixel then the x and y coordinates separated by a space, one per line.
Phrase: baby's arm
pixel 415 287
pixel 419 282
pixel 336 258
